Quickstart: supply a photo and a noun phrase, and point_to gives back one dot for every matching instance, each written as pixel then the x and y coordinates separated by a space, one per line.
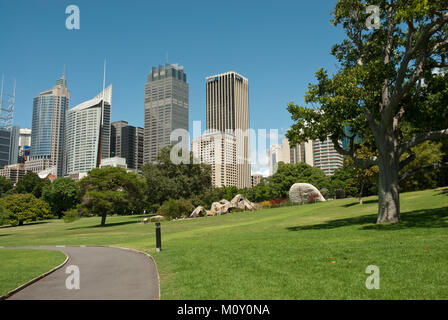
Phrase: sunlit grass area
pixel 18 266
pixel 315 251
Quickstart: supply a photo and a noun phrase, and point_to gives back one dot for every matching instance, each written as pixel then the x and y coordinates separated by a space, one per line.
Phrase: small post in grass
pixel 158 238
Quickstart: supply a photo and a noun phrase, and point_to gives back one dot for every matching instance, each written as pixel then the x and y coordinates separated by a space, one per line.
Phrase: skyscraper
pixel 88 133
pixel 127 142
pixel 227 110
pixel 9 145
pixel 166 107
pixel 48 127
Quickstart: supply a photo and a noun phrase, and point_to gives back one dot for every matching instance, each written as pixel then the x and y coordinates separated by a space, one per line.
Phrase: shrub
pixel 4 215
pixel 312 197
pixel 176 208
pixel 71 215
pixel 325 193
pixel 25 208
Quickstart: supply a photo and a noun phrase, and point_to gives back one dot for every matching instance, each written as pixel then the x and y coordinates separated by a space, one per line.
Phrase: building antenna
pixel 100 140
pixel 104 76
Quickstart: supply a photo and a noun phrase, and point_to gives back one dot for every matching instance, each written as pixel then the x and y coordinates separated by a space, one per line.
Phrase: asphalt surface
pixel 105 274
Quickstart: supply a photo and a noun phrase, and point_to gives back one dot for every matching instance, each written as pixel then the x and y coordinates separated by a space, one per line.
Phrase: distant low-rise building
pixel 318 154
pixel 13 172
pixel 256 179
pixel 114 162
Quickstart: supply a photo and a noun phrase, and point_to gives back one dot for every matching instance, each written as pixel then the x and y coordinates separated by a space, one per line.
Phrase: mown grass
pixel 316 251
pixel 18 266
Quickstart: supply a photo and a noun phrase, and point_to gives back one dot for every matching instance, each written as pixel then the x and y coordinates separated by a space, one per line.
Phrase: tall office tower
pixel 115 137
pixel 218 149
pixel 88 133
pixel 326 157
pixel 9 145
pixel 127 142
pixel 227 109
pixel 166 107
pixel 48 127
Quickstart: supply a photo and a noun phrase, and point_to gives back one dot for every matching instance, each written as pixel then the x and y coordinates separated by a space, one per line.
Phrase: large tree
pixel 110 190
pixel 31 183
pixel 390 89
pixel 62 194
pixel 165 179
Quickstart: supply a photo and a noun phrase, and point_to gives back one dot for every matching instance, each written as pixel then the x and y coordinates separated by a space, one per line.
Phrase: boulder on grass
pixel 299 193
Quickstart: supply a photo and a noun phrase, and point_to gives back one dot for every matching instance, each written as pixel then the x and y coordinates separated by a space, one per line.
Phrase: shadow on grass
pixel 442 192
pixel 114 224
pixel 24 225
pixel 348 205
pixel 426 218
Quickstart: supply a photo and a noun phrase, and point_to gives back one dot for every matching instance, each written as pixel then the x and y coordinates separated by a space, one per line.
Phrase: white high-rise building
pixel 326 157
pixel 88 133
pixel 219 151
pixel 25 137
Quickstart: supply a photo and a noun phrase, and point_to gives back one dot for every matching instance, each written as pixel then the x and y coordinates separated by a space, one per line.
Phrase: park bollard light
pixel 158 238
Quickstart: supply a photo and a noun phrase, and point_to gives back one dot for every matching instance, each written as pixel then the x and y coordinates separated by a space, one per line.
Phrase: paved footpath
pixel 105 274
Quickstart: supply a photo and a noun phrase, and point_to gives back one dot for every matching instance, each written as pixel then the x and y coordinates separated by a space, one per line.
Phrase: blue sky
pixel 277 45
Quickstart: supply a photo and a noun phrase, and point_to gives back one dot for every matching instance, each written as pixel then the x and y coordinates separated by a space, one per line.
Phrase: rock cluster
pixel 239 202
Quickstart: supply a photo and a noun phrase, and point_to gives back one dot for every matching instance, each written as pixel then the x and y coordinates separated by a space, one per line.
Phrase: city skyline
pixel 299 38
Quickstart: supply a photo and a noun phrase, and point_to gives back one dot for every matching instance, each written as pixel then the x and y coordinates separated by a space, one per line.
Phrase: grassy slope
pixel 317 251
pixel 19 266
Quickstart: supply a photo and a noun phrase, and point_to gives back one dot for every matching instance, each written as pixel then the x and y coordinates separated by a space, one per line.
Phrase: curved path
pixel 105 273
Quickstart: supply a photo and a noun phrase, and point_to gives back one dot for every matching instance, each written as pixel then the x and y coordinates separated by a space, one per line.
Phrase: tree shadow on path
pixel 425 218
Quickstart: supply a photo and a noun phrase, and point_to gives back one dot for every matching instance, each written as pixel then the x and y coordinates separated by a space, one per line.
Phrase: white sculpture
pixel 224 206
pixel 299 193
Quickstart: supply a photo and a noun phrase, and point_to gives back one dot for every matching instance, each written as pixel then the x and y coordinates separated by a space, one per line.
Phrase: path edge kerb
pixel 149 256
pixel 23 286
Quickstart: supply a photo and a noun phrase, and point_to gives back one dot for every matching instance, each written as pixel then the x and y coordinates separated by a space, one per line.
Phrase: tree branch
pixel 407 160
pixel 362 163
pixel 433 135
pixel 428 168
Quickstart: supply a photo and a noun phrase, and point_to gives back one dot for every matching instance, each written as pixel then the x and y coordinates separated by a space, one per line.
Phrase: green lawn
pixel 316 251
pixel 18 266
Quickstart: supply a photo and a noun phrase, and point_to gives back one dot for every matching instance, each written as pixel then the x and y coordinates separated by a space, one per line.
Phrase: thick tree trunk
pixel 103 220
pixel 388 187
